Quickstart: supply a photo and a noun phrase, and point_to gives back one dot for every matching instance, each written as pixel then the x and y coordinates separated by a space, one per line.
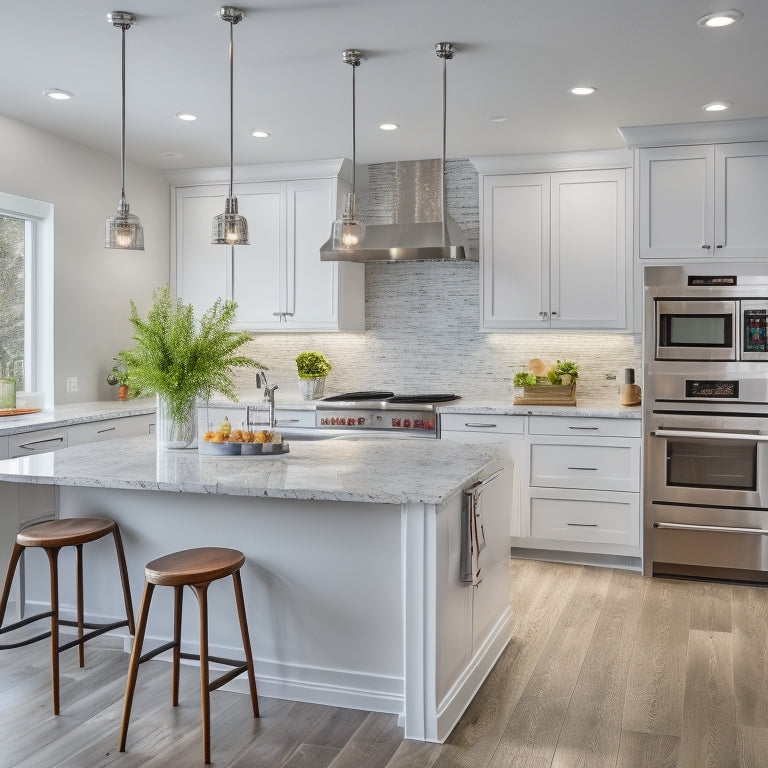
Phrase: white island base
pixel 350 603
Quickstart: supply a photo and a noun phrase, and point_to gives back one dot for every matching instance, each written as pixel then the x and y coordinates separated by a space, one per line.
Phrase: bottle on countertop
pixel 629 392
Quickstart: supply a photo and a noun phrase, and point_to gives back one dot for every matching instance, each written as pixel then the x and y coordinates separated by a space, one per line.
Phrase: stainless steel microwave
pixel 710 329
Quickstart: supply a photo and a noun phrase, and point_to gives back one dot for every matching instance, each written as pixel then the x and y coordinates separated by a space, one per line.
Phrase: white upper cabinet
pixel 554 249
pixel 705 201
pixel 278 281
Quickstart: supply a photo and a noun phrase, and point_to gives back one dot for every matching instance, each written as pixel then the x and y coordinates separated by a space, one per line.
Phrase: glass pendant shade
pixel 230 228
pixel 348 231
pixel 124 230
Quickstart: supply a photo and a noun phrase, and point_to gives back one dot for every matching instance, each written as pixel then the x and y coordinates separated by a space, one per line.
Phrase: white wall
pixel 92 285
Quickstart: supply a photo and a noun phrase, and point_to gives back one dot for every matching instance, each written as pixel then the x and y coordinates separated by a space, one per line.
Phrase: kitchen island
pixel 352 551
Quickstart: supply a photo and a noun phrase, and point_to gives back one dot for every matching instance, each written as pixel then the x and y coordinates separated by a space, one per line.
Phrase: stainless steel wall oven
pixel 706 422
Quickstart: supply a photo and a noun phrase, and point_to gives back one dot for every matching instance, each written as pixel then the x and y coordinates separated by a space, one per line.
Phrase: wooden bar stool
pixel 195 568
pixel 52 536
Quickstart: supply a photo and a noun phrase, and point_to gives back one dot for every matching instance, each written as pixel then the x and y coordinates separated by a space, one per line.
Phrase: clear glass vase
pixel 312 389
pixel 176 428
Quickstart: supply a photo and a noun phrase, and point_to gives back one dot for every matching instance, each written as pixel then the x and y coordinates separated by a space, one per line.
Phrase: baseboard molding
pixel 464 689
pixel 578 558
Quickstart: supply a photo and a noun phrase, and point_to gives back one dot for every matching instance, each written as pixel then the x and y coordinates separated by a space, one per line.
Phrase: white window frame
pixel 38 286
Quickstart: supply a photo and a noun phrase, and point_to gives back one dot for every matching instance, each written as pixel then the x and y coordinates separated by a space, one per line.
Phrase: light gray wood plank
pixel 711 606
pixel 373 744
pixel 530 738
pixel 592 728
pixel 753 747
pixel 750 655
pixel 708 739
pixel 415 754
pixel 656 680
pixel 647 750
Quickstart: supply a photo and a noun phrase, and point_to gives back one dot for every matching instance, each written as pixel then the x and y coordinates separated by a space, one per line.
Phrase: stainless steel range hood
pixel 420 230
pixel 410 191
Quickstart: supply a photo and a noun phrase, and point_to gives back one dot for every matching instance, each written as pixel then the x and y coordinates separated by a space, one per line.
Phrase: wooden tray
pixel 547 394
pixel 19 411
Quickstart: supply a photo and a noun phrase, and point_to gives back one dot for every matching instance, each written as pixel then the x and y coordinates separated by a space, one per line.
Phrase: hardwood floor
pixel 605 668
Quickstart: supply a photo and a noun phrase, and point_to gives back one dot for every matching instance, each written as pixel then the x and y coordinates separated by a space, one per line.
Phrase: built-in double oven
pixel 706 422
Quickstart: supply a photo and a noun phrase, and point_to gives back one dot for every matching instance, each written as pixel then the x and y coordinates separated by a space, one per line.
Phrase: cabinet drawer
pixel 109 429
pixel 605 519
pixel 36 442
pixel 584 426
pixel 483 422
pixel 614 467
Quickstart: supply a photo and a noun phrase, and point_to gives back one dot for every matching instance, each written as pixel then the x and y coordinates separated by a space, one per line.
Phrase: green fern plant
pixel 176 360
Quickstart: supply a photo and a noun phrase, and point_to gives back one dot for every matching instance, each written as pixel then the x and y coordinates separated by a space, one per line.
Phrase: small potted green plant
pixel 552 381
pixel 312 368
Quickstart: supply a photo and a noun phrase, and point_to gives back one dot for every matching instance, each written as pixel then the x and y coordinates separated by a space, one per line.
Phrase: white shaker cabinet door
pixel 257 268
pixel 741 200
pixel 201 268
pixel 589 248
pixel 676 202
pixel 515 262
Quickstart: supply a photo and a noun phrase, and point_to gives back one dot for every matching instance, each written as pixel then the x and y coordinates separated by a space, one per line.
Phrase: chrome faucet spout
pixel 269 395
pixel 261 379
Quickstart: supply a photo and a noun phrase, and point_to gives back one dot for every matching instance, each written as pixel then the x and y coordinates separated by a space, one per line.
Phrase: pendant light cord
pixel 354 132
pixel 122 131
pixel 442 167
pixel 231 108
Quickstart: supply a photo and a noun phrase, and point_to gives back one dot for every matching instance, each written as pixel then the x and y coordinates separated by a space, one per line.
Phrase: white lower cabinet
pixel 576 479
pixel 3 447
pixel 39 441
pixel 110 429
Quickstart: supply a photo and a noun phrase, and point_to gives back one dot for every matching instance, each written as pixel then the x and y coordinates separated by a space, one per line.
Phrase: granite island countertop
pixel 389 471
pixel 77 413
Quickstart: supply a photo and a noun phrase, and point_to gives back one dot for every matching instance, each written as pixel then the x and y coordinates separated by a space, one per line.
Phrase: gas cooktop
pixel 368 397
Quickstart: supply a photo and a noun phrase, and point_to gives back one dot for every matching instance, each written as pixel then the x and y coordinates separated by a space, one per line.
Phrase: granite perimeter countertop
pixel 78 413
pixel 388 471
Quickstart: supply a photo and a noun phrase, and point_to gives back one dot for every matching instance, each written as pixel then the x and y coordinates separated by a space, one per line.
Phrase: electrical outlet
pixel 71 383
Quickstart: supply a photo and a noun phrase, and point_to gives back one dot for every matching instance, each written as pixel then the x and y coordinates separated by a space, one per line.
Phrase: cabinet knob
pixel 554 314
pixel 543 315
pixel 718 246
pixel 706 247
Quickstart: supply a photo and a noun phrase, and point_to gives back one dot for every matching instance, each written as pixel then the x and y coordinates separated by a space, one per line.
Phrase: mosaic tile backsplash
pixel 422 323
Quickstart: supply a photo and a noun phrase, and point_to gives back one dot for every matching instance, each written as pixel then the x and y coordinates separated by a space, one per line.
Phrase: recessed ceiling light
pixel 388 126
pixel 188 116
pixel 171 155
pixel 498 118
pixel 260 134
pixel 717 106
pixel 58 94
pixel 582 90
pixel 720 19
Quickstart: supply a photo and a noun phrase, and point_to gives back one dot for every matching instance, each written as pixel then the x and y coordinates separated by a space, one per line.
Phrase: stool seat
pixel 194 566
pixel 65 532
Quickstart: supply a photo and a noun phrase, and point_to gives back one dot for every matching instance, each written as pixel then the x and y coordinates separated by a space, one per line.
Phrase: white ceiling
pixel 649 60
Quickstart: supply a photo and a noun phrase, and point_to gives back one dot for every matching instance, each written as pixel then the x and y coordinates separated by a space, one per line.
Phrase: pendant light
pixel 230 228
pixel 123 230
pixel 348 231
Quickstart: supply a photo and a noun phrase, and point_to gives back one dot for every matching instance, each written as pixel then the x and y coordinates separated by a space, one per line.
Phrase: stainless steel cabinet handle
pixel 718 246
pixel 554 314
pixel 710 435
pixel 585 469
pixel 706 247
pixel 107 429
pixel 583 525
pixel 287 421
pixel 543 315
pixel 715 528
pixel 479 424
pixel 591 429
pixel 31 446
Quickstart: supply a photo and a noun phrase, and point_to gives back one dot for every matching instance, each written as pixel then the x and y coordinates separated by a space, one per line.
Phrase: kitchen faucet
pixel 269 396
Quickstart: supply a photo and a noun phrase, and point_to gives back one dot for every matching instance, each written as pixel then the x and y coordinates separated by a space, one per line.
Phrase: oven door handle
pixel 710 435
pixel 715 528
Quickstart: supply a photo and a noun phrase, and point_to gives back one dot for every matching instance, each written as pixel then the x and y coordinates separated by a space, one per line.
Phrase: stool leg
pixel 80 620
pixel 178 599
pixel 124 578
pixel 53 561
pixel 18 550
pixel 205 691
pixel 133 666
pixel 246 640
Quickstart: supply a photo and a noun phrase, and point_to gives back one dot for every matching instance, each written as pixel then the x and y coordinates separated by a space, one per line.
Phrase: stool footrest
pixel 240 667
pixel 22 643
pixel 24 622
pixel 156 652
pixel 97 629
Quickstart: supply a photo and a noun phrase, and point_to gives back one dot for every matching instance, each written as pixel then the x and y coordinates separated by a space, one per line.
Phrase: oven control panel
pixel 388 420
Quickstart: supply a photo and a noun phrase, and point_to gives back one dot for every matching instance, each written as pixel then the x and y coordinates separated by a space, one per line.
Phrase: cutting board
pixel 19 411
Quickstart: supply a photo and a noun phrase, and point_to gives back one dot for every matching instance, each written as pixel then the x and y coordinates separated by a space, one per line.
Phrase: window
pixel 26 293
